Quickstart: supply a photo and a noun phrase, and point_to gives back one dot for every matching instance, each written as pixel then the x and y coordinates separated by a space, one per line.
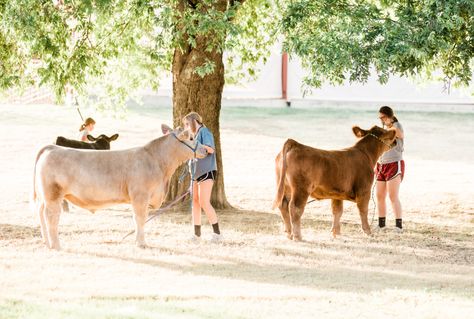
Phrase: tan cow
pixel 348 174
pixel 98 179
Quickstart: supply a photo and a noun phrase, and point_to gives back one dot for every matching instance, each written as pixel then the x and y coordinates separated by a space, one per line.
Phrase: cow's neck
pixel 169 153
pixel 372 148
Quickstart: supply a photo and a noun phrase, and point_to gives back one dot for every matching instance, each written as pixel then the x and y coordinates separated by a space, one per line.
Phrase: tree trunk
pixel 191 92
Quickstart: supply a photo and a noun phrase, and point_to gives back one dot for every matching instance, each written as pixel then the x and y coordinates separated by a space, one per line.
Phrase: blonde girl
pixel 204 176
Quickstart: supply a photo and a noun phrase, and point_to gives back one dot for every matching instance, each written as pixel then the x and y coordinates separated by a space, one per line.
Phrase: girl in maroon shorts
pixel 389 171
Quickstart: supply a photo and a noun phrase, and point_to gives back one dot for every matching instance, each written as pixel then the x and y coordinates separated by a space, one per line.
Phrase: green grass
pixel 116 308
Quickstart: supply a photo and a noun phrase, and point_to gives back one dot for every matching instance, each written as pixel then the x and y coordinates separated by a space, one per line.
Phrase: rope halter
pixel 187 145
pixel 380 140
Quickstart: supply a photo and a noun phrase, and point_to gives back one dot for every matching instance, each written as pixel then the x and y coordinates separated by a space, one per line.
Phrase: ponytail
pixel 88 121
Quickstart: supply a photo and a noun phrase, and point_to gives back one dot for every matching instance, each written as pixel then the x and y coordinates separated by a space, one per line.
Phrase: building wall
pixel 397 90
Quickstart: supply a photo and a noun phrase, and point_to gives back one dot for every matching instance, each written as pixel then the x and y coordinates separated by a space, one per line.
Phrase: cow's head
pixel 103 140
pixel 186 138
pixel 102 136
pixel 386 137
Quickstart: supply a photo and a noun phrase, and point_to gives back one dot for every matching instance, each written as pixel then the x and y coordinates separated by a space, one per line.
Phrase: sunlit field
pixel 256 272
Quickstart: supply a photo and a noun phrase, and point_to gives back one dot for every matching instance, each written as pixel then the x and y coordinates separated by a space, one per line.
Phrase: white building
pixel 267 90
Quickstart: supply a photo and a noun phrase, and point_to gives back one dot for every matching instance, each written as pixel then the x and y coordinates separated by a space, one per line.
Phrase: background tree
pixel 342 40
pixel 109 48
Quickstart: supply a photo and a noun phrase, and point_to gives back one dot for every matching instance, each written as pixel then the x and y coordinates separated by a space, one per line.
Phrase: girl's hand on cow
pixel 209 149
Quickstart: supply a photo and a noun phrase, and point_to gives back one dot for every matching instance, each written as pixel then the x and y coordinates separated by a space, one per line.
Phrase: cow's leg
pixel 363 206
pixel 140 210
pixel 52 210
pixel 65 206
pixel 296 207
pixel 337 208
pixel 285 216
pixel 42 218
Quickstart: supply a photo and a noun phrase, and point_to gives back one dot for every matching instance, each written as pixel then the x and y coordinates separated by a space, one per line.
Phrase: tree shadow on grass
pixel 15 232
pixel 353 270
pixel 333 277
pixel 340 275
pixel 442 241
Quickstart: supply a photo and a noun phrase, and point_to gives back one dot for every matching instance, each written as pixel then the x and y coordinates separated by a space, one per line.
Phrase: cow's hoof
pixel 142 245
pixel 297 238
pixel 55 247
pixel 368 233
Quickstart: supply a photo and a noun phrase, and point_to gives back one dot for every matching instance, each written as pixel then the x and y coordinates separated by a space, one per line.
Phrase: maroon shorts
pixel 389 171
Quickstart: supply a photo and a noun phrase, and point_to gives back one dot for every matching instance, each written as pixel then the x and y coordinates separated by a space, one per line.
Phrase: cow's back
pixel 94 179
pixel 62 141
pixel 327 173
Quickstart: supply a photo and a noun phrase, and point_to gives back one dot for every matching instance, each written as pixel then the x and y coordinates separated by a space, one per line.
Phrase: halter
pixel 192 149
pixel 380 140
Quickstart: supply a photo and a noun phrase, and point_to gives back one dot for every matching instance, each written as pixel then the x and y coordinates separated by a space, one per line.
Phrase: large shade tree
pixel 117 46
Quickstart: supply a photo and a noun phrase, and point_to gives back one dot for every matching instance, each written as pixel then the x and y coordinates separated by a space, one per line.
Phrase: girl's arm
pixel 208 141
pixel 398 131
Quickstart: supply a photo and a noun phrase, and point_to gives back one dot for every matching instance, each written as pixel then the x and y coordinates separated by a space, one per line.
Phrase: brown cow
pixel 303 171
pixel 98 179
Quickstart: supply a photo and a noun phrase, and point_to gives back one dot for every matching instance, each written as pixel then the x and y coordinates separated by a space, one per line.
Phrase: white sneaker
pixel 398 230
pixel 194 239
pixel 378 229
pixel 216 238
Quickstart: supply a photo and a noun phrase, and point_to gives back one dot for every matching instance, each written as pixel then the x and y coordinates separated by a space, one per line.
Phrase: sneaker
pixel 398 230
pixel 378 229
pixel 194 239
pixel 216 238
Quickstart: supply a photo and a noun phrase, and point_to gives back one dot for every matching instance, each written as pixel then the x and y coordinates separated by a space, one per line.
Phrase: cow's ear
pixel 91 138
pixel 359 132
pixel 114 137
pixel 391 134
pixel 184 135
pixel 165 129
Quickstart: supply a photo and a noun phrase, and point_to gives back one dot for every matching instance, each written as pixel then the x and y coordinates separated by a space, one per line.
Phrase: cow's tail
pixel 281 182
pixel 33 193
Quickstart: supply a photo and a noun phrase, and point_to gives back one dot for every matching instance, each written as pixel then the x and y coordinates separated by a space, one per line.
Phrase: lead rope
pixel 158 212
pixel 192 170
pixel 372 194
pixel 375 182
pixel 76 103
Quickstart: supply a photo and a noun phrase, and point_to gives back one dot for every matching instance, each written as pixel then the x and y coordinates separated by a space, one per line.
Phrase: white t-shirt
pixel 83 134
pixel 395 154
